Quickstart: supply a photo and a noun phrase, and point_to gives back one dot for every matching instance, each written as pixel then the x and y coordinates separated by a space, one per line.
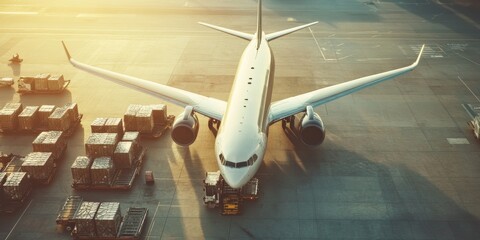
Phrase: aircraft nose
pixel 234 179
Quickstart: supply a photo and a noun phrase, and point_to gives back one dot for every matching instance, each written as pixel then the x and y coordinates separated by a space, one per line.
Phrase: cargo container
pixel 129 117
pixel 43 113
pixel 106 176
pixel 102 171
pixel 108 219
pixel 15 191
pixel 124 155
pixel 85 219
pixel 28 118
pixel 42 83
pixel 101 144
pixel 59 120
pixel 9 116
pixel 72 109
pixel 98 125
pixel 144 119
pixel 134 138
pixel 55 82
pixel 159 112
pixel 17 186
pixel 51 141
pixel 40 167
pixel 81 170
pixel 114 125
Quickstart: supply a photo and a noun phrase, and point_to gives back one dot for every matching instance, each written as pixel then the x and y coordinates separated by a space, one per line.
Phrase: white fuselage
pixel 242 138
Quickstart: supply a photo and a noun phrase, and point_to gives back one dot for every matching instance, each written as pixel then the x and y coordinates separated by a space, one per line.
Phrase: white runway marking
pixel 461 80
pixel 468 59
pixel 20 218
pixel 319 48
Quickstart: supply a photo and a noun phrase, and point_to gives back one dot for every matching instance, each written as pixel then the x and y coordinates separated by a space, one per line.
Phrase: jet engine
pixel 185 127
pixel 309 128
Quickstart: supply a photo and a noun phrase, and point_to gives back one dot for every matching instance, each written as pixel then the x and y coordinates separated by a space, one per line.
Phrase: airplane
pixel 246 116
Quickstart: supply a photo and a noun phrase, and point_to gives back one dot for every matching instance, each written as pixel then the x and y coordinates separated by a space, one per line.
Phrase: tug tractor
pixel 217 193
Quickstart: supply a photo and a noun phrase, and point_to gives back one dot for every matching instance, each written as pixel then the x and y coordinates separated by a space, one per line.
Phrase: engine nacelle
pixel 185 127
pixel 309 128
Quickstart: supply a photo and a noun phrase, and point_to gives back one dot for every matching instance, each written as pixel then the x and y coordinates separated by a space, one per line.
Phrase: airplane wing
pixel 293 105
pixel 207 106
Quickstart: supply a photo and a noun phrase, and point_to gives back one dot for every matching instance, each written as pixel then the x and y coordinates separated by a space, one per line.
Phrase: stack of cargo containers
pixel 101 144
pixel 43 113
pixel 108 219
pixel 81 170
pixel 28 119
pixel 51 141
pixel 55 82
pixel 16 186
pixel 124 155
pixel 72 109
pixel 9 116
pixel 129 117
pixel 85 219
pixel 41 81
pixel 59 120
pixel 39 165
pixel 102 171
pixel 144 119
pixel 132 137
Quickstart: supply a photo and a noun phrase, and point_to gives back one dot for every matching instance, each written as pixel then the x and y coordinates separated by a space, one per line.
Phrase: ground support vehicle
pixel 217 193
pixel 123 178
pixel 474 112
pixel 6 81
pixel 130 228
pixel 65 215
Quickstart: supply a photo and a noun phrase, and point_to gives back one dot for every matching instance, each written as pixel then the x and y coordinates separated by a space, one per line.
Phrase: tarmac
pixel 398 161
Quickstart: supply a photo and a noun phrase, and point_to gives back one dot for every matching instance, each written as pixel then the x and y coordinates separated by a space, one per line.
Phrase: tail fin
pixel 275 35
pixel 259 23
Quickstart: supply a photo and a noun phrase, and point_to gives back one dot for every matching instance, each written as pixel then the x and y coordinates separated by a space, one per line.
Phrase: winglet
pixel 419 55
pixel 66 51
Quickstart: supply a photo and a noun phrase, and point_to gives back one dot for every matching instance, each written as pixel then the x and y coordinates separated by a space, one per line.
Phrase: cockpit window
pixel 249 162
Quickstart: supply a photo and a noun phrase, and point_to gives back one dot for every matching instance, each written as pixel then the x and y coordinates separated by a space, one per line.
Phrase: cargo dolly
pixel 23 90
pixel 65 215
pixel 130 228
pixel 123 178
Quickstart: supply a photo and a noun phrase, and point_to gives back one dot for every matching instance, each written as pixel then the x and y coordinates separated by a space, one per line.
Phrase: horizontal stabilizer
pixel 275 35
pixel 235 33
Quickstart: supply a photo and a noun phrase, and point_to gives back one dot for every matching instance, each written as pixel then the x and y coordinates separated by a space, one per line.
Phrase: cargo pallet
pixel 123 178
pixel 67 133
pixel 26 91
pixel 159 129
pixel 130 228
pixel 65 216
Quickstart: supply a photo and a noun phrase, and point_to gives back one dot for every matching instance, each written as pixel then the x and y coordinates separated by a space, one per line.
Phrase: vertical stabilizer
pixel 259 23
